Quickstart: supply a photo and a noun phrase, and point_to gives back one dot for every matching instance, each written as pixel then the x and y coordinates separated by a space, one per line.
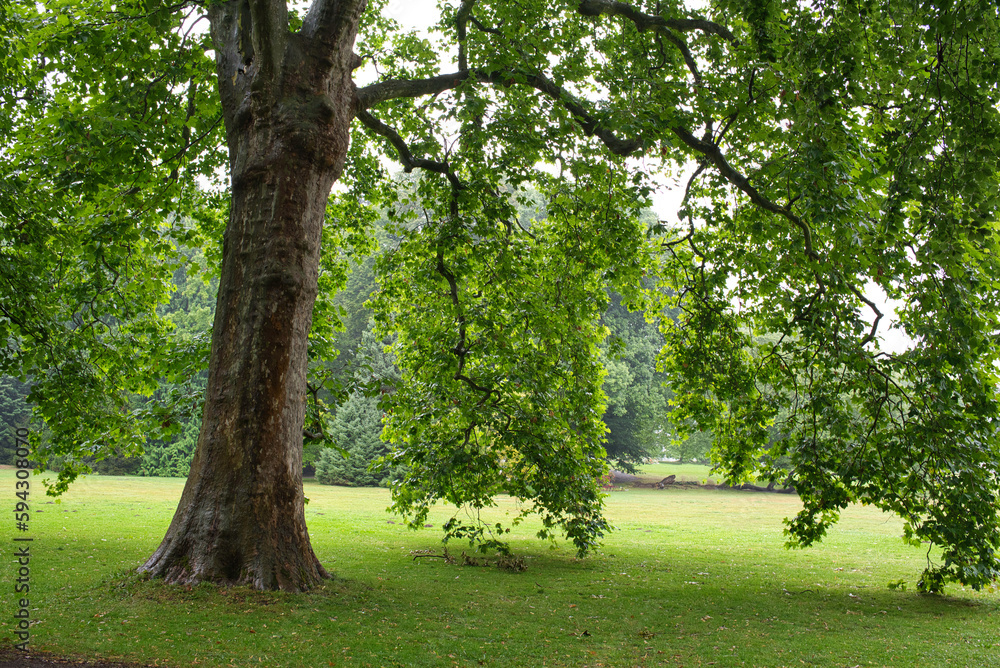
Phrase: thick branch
pixel 461 22
pixel 645 22
pixel 685 52
pixel 270 30
pixel 227 38
pixel 396 88
pixel 714 155
pixel 460 349
pixel 591 126
pixel 330 21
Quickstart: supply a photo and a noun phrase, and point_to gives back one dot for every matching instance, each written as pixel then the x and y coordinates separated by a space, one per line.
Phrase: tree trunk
pixel 241 516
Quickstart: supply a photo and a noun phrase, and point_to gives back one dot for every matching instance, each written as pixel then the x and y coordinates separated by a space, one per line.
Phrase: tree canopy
pixel 844 153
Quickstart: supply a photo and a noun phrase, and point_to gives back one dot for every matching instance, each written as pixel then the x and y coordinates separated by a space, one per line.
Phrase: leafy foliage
pixel 845 152
pixel 687 447
pixel 172 459
pixel 638 402
pixel 178 400
pixel 357 427
pixel 497 343
pixel 15 413
pixel 92 184
pixel 882 121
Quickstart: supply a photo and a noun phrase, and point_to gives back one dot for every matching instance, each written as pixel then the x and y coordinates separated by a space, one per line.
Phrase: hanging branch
pixel 714 155
pixel 403 150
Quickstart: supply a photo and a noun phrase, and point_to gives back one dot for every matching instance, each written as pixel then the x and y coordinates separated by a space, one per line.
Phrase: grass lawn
pixel 692 577
pixel 651 473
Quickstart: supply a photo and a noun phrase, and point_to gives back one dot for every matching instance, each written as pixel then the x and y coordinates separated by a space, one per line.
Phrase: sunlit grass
pixel 690 577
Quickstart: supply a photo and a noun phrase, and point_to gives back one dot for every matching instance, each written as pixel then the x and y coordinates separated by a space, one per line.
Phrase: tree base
pixel 261 569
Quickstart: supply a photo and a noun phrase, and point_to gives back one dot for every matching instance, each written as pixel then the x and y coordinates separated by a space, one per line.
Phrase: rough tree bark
pixel 288 101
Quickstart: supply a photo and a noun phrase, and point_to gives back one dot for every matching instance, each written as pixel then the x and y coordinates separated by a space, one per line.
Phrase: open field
pixel 700 473
pixel 691 577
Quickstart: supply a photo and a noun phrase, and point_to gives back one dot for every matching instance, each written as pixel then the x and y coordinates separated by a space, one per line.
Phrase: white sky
pixel 419 14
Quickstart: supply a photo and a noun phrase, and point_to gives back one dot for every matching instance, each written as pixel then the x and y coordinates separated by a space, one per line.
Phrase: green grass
pixel 685 472
pixel 691 577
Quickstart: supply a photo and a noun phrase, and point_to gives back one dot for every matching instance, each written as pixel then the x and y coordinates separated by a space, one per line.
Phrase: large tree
pixel 844 149
pixel 638 409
